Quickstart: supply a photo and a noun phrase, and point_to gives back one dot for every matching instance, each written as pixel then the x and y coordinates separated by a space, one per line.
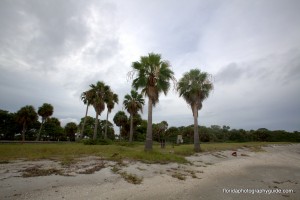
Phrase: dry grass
pixel 131 178
pixel 179 176
pixel 94 169
pixel 36 171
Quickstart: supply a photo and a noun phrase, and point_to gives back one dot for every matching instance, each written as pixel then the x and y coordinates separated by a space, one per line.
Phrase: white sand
pixel 277 168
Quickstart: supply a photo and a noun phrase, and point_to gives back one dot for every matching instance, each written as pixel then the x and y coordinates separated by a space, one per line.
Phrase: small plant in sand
pixel 179 176
pixel 131 178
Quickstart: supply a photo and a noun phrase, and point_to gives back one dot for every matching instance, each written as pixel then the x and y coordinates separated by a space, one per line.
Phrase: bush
pixel 97 142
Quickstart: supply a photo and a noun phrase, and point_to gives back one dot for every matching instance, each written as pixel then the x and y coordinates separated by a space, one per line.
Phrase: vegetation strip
pixel 66 153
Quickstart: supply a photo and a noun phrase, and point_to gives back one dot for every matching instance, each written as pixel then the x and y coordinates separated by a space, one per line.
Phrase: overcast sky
pixel 51 51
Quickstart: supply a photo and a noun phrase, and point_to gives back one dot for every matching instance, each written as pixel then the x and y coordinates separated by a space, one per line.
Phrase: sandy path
pixel 206 178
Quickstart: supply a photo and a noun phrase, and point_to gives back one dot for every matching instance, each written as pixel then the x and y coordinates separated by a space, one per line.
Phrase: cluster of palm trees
pixel 152 76
pixel 27 115
pixel 98 95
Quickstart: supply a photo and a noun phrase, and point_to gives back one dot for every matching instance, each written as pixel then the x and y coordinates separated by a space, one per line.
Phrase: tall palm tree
pixel 111 99
pixel 45 111
pixel 133 103
pixel 87 99
pixel 153 76
pixel 25 116
pixel 99 95
pixel 195 87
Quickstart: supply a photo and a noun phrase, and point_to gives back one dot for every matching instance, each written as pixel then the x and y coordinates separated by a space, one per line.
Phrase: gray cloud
pixel 51 51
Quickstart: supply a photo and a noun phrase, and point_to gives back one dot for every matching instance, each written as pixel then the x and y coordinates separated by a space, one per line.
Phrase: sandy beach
pixel 271 174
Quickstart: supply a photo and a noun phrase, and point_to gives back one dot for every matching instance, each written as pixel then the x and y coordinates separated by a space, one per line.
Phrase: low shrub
pixel 97 142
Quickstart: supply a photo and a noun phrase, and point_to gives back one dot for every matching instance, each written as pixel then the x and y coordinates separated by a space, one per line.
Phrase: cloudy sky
pixel 51 51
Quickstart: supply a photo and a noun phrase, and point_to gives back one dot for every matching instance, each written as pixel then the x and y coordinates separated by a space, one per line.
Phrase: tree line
pixel 151 76
pixel 52 130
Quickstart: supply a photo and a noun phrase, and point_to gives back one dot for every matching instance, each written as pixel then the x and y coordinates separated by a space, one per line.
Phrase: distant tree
pixel 70 130
pixel 111 99
pixel 120 119
pixel 8 125
pixel 100 92
pixel 172 133
pixel 87 98
pixel 141 130
pixel 89 126
pixel 52 130
pixel 133 103
pixel 160 132
pixel 153 76
pixel 45 111
pixel 25 116
pixel 262 134
pixel 104 124
pixel 187 134
pixel 195 87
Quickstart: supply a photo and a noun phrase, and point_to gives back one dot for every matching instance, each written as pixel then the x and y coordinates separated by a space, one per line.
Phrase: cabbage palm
pixel 25 116
pixel 133 103
pixel 99 93
pixel 45 111
pixel 195 87
pixel 111 99
pixel 86 97
pixel 153 76
pixel 120 119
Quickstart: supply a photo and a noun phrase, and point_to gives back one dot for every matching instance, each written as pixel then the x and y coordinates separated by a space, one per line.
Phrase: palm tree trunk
pixel 131 128
pixel 105 133
pixel 23 131
pixel 39 133
pixel 96 127
pixel 196 134
pixel 86 112
pixel 148 143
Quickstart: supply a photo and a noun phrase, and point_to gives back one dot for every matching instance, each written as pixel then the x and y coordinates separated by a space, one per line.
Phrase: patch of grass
pixel 179 176
pixel 67 161
pixel 97 142
pixel 93 169
pixel 192 173
pixel 36 171
pixel 131 178
pixel 115 169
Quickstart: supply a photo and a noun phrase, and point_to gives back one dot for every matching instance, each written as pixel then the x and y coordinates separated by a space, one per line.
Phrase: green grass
pixel 68 152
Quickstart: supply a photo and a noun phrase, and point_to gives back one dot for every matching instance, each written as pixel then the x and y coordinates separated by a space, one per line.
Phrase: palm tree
pixel 99 95
pixel 195 87
pixel 86 97
pixel 45 111
pixel 120 119
pixel 25 116
pixel 110 104
pixel 153 76
pixel 133 103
